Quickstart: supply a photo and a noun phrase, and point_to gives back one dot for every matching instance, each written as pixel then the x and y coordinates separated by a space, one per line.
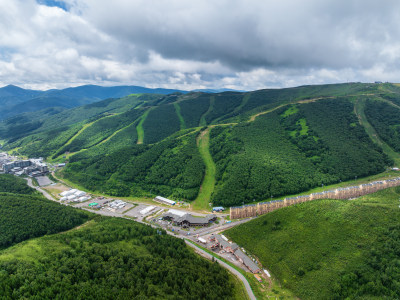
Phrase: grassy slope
pixel 207 187
pixel 178 112
pixel 203 121
pixel 78 133
pixel 308 246
pixel 359 110
pixel 139 128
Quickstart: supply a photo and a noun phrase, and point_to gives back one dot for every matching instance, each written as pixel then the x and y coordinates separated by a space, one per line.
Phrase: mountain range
pixel 15 100
pixel 227 148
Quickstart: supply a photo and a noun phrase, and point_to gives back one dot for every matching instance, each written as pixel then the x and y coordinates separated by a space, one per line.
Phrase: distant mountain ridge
pixel 15 100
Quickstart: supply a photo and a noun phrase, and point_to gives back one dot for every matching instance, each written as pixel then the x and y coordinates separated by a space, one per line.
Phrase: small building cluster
pixel 117 204
pixel 31 167
pixel 74 195
pixel 222 243
pixel 164 200
pixel 185 220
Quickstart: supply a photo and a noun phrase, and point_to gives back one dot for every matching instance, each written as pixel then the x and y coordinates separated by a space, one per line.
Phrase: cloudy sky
pixel 238 44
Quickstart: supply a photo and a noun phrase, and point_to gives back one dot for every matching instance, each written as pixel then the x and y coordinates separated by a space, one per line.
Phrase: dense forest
pixel 385 118
pixel 172 167
pixel 111 259
pixel 264 143
pixel 331 249
pixel 16 185
pixel 24 214
pixel 291 150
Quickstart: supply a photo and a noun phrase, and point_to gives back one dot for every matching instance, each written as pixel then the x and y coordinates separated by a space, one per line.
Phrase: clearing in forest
pixel 178 112
pixel 359 106
pixel 207 187
pixel 139 128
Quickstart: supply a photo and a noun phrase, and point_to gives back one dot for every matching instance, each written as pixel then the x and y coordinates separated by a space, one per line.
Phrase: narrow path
pixel 226 266
pixel 207 186
pixel 139 128
pixel 181 119
pixel 253 117
pixel 362 118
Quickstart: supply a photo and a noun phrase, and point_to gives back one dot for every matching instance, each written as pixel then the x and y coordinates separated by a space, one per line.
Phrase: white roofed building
pixel 164 200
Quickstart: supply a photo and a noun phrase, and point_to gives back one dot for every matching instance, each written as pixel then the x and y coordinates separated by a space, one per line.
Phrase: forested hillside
pixel 330 249
pixel 15 100
pixel 264 144
pixel 291 150
pixel 172 167
pixel 25 214
pixel 111 258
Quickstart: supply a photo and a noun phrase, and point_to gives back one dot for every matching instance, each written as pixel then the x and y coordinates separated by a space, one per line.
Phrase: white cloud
pixel 197 44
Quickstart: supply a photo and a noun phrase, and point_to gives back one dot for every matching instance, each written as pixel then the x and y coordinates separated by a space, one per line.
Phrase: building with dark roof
pixel 244 259
pixel 234 248
pixel 187 220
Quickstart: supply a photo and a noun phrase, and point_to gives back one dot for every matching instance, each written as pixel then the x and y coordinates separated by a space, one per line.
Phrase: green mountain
pixel 229 148
pixel 15 100
pixel 330 249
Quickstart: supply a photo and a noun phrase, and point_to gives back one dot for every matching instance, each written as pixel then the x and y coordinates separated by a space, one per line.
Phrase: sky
pixel 236 44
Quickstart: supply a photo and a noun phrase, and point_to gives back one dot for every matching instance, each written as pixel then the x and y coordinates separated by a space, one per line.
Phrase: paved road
pixel 45 193
pixel 201 251
pixel 226 266
pixel 225 226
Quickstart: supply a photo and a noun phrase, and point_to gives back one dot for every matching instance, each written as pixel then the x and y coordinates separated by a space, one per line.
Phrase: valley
pixel 232 149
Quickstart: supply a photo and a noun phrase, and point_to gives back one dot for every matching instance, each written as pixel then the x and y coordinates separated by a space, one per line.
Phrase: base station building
pixel 179 218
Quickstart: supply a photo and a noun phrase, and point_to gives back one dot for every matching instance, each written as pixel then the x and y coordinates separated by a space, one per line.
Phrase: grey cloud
pixel 249 34
pixel 198 44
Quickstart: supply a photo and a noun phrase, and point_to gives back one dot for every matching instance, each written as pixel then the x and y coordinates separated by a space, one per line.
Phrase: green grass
pixel 203 121
pixel 78 133
pixel 359 110
pixel 207 186
pixel 304 127
pixel 309 246
pixel 290 111
pixel 139 128
pixel 178 112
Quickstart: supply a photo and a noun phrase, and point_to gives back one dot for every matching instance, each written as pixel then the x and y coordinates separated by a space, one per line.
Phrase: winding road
pixel 226 266
pixel 46 194
pixel 197 249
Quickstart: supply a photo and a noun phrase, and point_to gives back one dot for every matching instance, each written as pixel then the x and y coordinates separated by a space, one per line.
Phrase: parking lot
pixel 94 200
pixel 43 180
pixel 135 212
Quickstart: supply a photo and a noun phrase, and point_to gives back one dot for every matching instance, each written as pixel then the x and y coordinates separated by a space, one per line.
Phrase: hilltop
pixel 15 100
pixel 227 147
